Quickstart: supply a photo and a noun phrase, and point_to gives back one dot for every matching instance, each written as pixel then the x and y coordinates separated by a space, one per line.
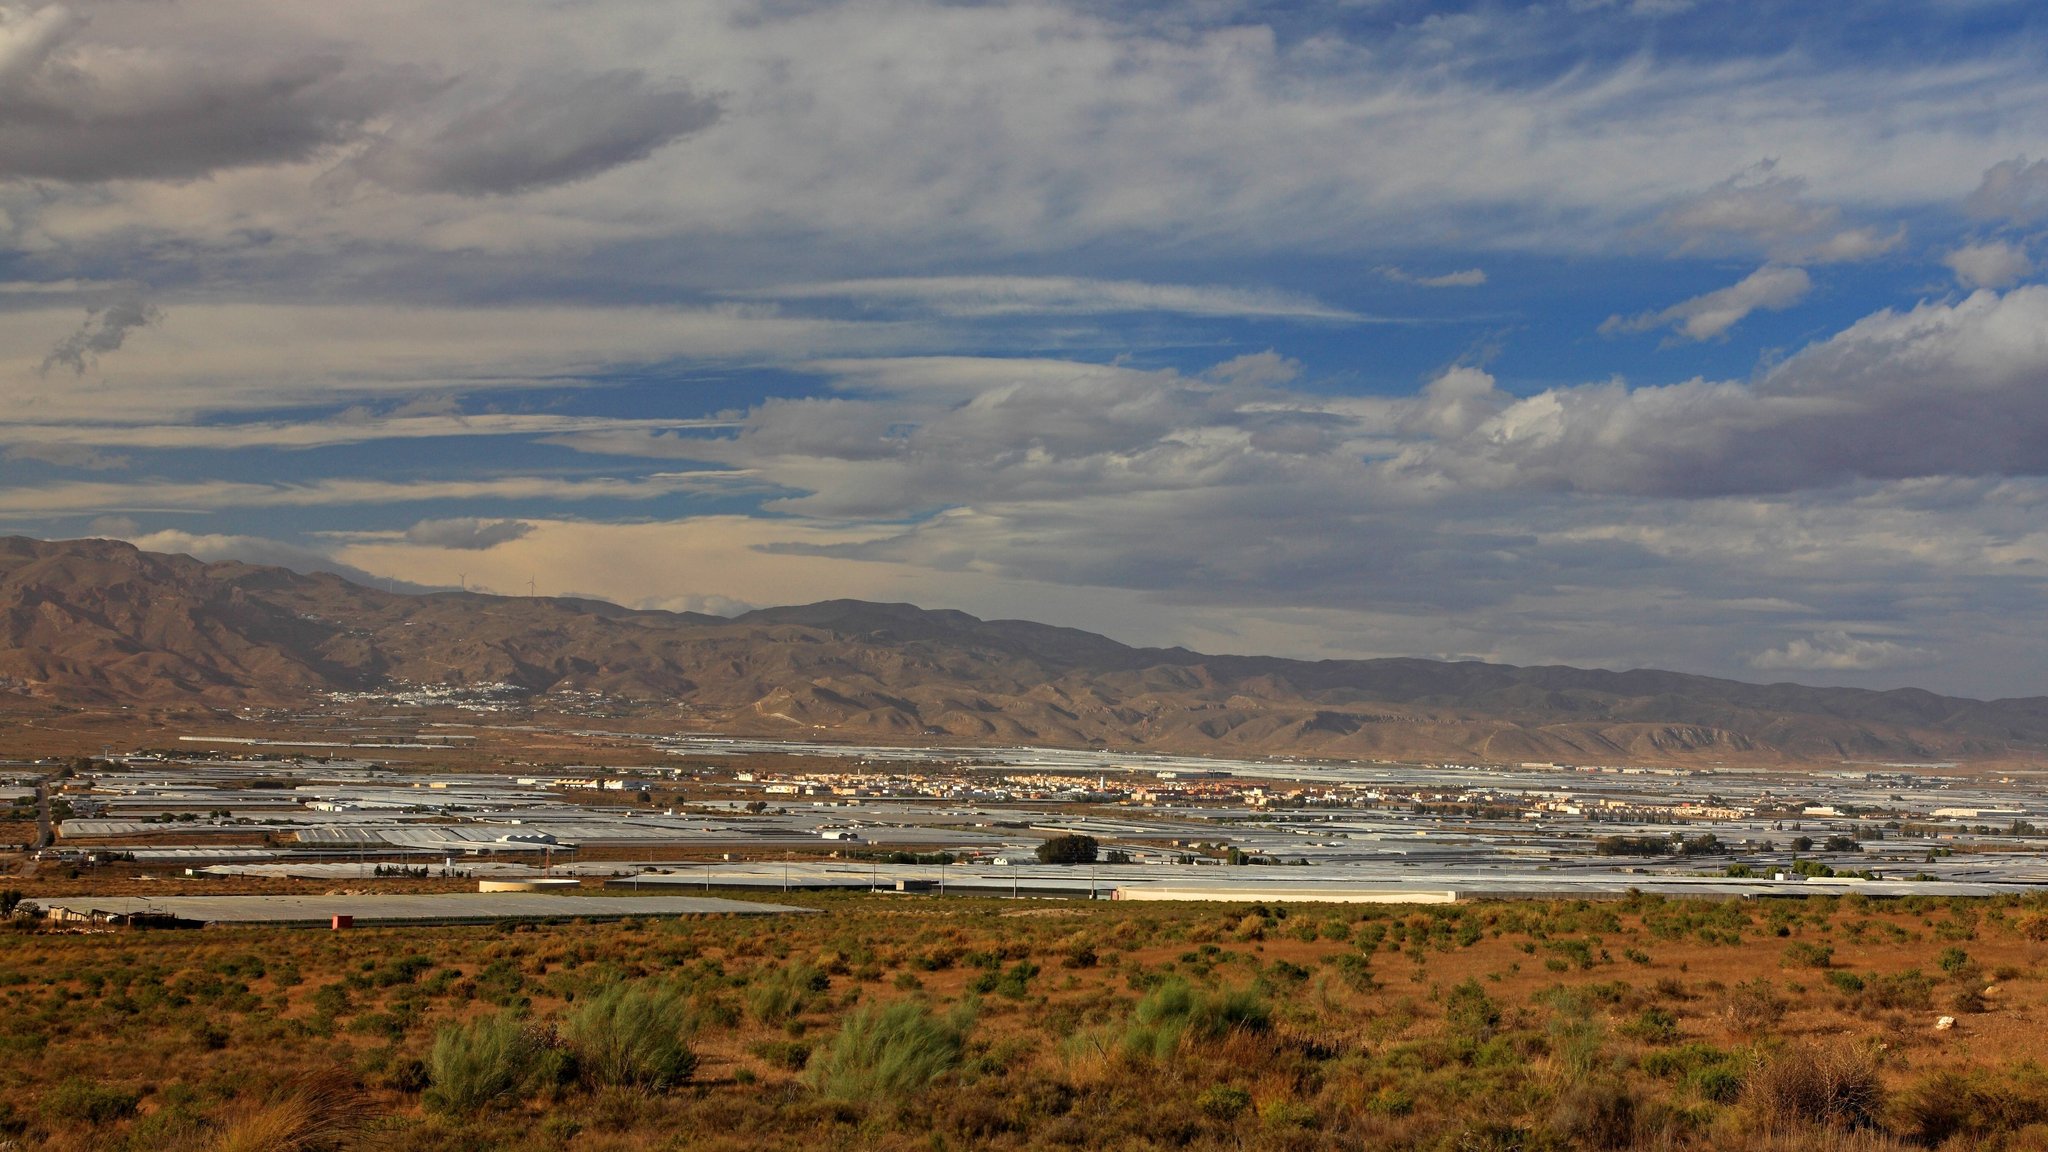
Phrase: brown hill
pixel 96 621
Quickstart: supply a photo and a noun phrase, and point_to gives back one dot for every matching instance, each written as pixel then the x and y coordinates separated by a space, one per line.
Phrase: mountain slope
pixel 99 622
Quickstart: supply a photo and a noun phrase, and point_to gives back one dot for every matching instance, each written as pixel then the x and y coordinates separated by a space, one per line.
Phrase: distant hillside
pixel 97 621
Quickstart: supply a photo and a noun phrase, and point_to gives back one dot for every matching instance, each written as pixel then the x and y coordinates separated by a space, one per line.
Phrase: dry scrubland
pixel 916 1023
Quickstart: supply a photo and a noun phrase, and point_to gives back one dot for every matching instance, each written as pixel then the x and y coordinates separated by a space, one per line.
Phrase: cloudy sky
pixel 1683 333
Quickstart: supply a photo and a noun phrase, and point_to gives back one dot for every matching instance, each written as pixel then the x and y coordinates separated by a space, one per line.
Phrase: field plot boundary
pixel 377 909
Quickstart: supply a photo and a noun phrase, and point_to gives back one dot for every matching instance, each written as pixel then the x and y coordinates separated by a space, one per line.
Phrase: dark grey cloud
pixel 107 323
pixel 78 111
pixel 466 532
pixel 546 131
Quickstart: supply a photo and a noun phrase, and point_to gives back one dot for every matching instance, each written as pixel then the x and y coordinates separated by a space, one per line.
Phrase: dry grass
pixel 1837 1085
pixel 311 1113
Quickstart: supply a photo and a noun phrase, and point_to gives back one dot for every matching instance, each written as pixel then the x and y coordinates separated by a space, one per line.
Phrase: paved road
pixel 43 833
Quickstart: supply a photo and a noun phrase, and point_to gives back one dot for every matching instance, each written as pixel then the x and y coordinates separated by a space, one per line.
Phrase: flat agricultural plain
pixel 921 1022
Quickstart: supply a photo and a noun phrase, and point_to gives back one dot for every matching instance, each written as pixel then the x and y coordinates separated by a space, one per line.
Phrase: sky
pixel 1689 334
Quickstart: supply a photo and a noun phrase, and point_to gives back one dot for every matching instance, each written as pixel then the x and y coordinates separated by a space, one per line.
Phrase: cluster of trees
pixel 1836 843
pixel 1068 849
pixel 1705 844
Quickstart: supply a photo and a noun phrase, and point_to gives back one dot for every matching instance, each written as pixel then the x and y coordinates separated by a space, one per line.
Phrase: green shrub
pixel 786 992
pixel 1800 954
pixel 331 1000
pixel 1910 991
pixel 1706 1071
pixel 1174 1009
pixel 1469 1015
pixel 1652 1026
pixel 1355 969
pixel 1599 1113
pixel 499 983
pixel 1015 982
pixel 82 1101
pixel 1579 1041
pixel 482 1064
pixel 1286 1113
pixel 1752 1006
pixel 1847 982
pixel 1224 1102
pixel 1720 1083
pixel 790 1054
pixel 890 1052
pixel 632 1035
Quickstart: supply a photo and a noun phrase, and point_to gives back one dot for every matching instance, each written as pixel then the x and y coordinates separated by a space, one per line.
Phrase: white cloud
pixel 1992 264
pixel 1649 8
pixel 42 441
pixel 63 455
pixel 1838 651
pixel 997 129
pixel 547 130
pixel 1945 388
pixel 709 604
pixel 203 495
pixel 1706 317
pixel 1757 202
pixel 1468 278
pixel 220 357
pixel 215 547
pixel 65 287
pixel 114 527
pixel 1761 207
pixel 973 296
pixel 466 533
pixel 2014 191
pixel 1853 245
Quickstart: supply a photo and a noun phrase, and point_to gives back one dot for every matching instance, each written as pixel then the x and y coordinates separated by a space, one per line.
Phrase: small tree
pixel 1068 849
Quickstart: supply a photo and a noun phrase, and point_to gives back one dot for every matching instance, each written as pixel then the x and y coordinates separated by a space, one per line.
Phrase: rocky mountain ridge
pixel 99 622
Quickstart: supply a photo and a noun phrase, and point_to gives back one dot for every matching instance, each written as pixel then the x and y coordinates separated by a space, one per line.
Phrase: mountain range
pixel 99 622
